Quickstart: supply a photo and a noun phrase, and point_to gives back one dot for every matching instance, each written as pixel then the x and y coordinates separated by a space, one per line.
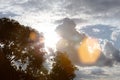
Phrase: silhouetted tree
pixel 21 51
pixel 62 69
pixel 22 55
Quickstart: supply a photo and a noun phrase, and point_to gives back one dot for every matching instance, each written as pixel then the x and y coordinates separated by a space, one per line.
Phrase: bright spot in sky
pixel 51 37
pixel 89 51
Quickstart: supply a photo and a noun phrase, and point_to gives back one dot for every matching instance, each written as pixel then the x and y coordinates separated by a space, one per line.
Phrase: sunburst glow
pixel 51 39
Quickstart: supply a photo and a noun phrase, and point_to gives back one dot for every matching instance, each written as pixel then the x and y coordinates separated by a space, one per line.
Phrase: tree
pixel 22 55
pixel 21 51
pixel 62 69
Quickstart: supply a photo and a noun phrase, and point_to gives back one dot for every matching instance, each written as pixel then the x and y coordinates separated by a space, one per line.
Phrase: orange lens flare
pixel 89 51
pixel 33 36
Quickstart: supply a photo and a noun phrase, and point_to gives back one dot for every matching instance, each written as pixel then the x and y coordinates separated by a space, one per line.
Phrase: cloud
pixel 111 52
pixel 76 20
pixel 105 11
pixel 8 14
pixel 80 11
pixel 94 6
pixel 115 35
pixel 70 38
pixel 103 32
pixel 98 31
pixel 109 40
pixel 95 11
pixel 79 20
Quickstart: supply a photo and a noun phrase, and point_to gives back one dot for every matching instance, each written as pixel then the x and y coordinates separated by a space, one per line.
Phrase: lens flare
pixel 89 51
pixel 33 36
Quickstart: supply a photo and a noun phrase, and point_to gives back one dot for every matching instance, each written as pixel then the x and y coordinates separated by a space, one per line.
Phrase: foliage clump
pixel 22 55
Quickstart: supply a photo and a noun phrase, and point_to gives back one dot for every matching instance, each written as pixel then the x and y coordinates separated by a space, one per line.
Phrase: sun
pixel 51 39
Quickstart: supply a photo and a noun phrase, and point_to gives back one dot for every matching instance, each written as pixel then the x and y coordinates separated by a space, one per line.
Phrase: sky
pixel 101 17
pixel 46 14
pixel 84 11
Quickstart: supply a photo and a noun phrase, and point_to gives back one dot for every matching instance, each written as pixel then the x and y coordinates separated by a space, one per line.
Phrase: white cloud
pixel 115 35
pixel 95 11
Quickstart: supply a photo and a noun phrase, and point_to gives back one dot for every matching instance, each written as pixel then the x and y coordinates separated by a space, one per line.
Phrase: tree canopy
pixel 22 55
